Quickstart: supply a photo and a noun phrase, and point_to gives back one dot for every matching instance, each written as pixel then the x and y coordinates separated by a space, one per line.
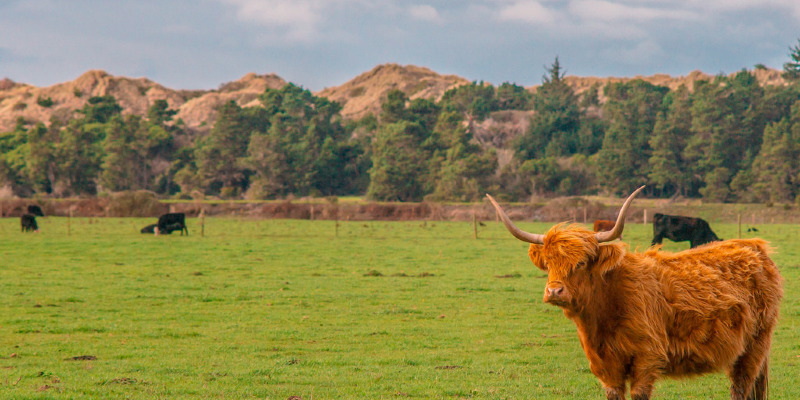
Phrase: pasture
pixel 279 309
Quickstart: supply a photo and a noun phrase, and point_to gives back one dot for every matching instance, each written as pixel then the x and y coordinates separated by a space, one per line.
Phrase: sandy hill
pixel 197 108
pixel 582 84
pixel 363 94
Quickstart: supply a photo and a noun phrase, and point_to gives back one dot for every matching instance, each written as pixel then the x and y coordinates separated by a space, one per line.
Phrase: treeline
pixel 728 140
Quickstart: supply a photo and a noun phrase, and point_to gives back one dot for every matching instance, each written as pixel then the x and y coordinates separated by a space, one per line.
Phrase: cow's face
pixel 574 262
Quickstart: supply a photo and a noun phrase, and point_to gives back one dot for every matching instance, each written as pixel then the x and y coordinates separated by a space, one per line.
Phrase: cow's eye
pixel 581 264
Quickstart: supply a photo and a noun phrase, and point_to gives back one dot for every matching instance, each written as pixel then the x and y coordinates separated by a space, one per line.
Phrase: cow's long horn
pixel 518 233
pixel 617 230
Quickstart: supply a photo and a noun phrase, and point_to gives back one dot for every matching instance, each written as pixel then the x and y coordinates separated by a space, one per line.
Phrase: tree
pixel 791 69
pixel 41 166
pixel 80 154
pixel 305 149
pixel 632 109
pixel 670 134
pixel 462 169
pixel 394 107
pixel 776 167
pixel 727 128
pixel 219 152
pixel 100 109
pixel 398 164
pixel 125 165
pixel 159 113
pixel 474 100
pixel 513 97
pixel 554 126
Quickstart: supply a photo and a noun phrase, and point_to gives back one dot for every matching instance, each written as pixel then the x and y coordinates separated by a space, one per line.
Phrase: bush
pixel 45 102
pixel 140 203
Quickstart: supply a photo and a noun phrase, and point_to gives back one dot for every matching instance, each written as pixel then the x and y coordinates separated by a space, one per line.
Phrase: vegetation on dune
pixel 725 139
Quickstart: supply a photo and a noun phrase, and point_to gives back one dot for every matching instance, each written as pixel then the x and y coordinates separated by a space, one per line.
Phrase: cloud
pixel 600 10
pixel 527 11
pixel 643 53
pixel 294 20
pixel 425 13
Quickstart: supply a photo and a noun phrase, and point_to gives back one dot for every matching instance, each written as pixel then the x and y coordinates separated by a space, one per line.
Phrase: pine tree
pixel 791 69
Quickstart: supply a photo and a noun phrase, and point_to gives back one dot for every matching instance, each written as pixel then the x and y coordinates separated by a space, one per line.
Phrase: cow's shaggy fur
pixel 641 316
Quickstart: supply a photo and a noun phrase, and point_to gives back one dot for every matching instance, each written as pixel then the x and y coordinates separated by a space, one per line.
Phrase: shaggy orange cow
pixel 641 316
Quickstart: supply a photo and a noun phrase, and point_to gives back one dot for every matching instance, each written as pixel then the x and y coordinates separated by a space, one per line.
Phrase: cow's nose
pixel 556 291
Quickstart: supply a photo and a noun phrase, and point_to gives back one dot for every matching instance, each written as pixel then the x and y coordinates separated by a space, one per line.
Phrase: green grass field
pixel 271 309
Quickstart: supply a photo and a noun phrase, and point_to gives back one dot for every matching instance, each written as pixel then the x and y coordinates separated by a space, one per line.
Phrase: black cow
pixel 27 223
pixel 678 229
pixel 170 222
pixel 33 209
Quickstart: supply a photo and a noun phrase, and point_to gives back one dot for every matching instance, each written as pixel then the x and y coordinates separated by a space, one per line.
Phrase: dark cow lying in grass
pixel 171 222
pixel 680 229
pixel 168 230
pixel 27 223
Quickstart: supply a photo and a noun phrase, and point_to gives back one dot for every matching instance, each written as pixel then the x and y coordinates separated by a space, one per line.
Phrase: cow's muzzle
pixel 556 294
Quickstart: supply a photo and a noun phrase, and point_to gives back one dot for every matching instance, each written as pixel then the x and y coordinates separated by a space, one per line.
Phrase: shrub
pixel 139 203
pixel 45 102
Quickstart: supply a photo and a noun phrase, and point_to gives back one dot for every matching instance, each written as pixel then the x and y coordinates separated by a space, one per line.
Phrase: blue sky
pixel 201 44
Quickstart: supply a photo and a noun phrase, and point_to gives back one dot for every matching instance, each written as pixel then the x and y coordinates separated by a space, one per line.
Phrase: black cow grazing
pixel 27 223
pixel 33 209
pixel 170 222
pixel 679 229
pixel 149 229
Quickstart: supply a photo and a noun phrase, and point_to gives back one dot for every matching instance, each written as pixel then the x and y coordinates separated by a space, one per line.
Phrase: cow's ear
pixel 609 255
pixel 535 253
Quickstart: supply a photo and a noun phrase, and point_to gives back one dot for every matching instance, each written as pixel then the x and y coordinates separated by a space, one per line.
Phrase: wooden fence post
pixel 474 225
pixel 740 226
pixel 202 222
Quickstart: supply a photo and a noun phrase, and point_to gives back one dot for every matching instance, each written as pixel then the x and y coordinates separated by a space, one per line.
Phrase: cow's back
pixel 718 298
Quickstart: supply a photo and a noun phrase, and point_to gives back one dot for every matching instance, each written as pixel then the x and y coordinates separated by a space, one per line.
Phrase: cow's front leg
pixel 643 376
pixel 615 393
pixel 611 375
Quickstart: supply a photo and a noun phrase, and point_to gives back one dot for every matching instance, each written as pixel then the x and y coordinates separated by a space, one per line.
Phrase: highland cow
pixel 641 316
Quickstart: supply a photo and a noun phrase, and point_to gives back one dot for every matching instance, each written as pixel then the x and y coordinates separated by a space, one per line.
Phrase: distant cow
pixel 166 231
pixel 27 223
pixel 33 209
pixel 603 225
pixel 679 229
pixel 170 222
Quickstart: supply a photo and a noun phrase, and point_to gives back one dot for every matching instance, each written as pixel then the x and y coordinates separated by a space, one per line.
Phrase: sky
pixel 201 44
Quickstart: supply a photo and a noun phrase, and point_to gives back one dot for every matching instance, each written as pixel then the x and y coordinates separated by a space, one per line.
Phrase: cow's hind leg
pixel 759 391
pixel 749 373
